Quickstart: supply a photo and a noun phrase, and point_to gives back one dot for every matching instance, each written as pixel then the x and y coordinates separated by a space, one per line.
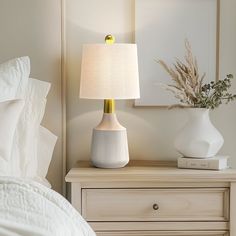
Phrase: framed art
pixel 161 28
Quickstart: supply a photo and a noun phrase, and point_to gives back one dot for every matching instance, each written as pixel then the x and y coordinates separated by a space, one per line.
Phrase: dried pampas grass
pixel 185 75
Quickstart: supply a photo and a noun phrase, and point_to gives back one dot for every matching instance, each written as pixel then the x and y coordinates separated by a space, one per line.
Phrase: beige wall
pixel 151 131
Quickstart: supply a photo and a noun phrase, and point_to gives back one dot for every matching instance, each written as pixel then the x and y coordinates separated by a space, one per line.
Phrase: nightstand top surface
pixel 165 171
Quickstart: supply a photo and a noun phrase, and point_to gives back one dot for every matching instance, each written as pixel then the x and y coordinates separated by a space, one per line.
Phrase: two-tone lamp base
pixel 109 143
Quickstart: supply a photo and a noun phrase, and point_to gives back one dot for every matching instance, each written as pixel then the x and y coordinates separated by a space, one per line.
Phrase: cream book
pixel 213 163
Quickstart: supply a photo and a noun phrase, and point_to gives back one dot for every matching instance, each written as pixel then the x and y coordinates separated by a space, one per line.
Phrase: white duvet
pixel 28 208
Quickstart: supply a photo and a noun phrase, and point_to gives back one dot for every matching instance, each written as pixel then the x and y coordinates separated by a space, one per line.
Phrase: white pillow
pixel 9 115
pixel 46 143
pixel 24 152
pixel 14 75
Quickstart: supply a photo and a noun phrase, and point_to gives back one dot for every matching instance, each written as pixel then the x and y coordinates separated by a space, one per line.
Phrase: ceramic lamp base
pixel 109 143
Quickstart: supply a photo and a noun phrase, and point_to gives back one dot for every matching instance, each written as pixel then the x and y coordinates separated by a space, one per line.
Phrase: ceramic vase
pixel 198 138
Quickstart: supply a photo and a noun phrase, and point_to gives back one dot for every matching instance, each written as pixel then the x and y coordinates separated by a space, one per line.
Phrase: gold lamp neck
pixel 109 106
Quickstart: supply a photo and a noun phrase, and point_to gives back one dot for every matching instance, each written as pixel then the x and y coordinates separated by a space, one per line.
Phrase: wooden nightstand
pixel 155 199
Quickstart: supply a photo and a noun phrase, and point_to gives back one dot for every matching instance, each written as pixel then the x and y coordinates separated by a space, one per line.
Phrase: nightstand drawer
pixel 173 204
pixel 164 233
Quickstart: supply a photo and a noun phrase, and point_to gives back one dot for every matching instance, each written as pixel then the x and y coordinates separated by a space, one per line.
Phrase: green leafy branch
pixel 215 93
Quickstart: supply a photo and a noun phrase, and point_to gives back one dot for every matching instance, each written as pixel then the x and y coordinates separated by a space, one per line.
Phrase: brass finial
pixel 109 39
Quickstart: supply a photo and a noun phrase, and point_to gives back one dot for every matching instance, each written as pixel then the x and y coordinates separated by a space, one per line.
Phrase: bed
pixel 28 205
pixel 30 209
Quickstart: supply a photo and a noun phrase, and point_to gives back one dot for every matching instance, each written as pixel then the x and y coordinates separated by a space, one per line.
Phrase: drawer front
pixel 187 204
pixel 163 233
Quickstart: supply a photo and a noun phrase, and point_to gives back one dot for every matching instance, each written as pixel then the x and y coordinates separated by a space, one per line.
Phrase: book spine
pixel 199 164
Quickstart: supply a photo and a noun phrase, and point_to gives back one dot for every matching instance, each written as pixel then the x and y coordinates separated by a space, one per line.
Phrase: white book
pixel 213 163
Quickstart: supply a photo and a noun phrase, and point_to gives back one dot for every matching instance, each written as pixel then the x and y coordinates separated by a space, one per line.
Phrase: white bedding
pixel 28 208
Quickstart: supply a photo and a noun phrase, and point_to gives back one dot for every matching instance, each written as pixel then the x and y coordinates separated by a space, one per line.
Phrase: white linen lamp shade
pixel 109 71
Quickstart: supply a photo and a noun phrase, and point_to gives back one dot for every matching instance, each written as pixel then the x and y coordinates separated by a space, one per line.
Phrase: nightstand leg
pixel 233 209
pixel 76 196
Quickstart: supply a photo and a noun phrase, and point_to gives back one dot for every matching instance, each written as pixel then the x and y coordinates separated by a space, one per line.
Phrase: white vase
pixel 198 138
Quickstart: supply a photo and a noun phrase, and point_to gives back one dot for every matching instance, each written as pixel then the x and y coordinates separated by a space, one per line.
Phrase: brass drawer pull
pixel 155 207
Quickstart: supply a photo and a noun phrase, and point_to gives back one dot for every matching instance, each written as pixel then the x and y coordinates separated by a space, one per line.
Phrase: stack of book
pixel 213 163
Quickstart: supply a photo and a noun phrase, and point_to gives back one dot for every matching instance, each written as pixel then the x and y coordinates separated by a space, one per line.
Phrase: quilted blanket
pixel 28 208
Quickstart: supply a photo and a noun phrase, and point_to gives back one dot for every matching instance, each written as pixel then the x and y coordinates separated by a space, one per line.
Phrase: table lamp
pixel 109 71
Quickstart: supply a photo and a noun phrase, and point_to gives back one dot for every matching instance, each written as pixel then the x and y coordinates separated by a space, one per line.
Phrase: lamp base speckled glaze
pixel 109 143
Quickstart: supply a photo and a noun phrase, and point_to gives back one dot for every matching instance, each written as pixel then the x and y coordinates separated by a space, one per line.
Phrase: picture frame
pixel 161 28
